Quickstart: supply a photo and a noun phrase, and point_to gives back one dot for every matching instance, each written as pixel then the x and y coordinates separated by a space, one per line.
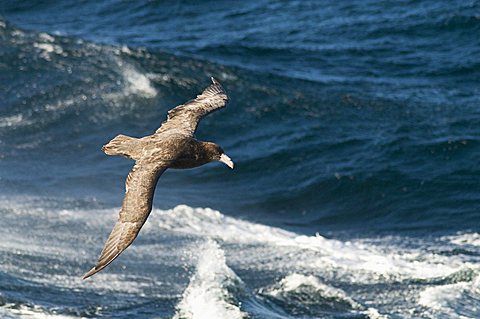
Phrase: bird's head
pixel 216 153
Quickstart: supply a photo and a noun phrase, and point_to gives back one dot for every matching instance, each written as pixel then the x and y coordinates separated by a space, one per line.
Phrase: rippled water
pixel 354 127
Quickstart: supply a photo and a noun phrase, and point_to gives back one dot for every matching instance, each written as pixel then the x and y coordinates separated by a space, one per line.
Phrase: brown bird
pixel 173 145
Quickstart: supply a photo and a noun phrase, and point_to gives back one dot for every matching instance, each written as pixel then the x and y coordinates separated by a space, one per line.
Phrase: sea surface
pixel 354 127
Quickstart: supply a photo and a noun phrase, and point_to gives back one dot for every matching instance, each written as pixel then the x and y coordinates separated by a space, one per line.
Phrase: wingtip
pixel 90 273
pixel 214 81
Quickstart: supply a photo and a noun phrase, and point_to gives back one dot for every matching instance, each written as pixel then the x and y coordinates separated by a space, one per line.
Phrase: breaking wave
pixel 216 266
pixel 311 252
pixel 207 296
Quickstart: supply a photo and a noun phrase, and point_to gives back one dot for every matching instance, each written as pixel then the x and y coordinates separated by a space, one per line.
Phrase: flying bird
pixel 173 145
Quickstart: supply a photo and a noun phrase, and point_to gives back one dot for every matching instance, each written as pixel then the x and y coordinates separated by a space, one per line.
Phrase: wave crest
pixel 207 296
pixel 309 252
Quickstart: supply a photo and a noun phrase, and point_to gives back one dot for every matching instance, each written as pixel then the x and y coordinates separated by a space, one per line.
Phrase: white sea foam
pixel 19 120
pixel 207 295
pixel 13 121
pixel 348 255
pixel 126 50
pixel 47 49
pixel 135 82
pixel 443 299
pixel 48 240
pixel 138 83
pixel 58 105
pixel 472 239
pixel 247 245
pixel 18 34
pixel 12 311
pixel 294 282
pixel 373 313
pixel 46 37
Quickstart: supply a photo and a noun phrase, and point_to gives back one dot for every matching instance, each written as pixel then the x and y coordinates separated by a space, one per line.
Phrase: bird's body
pixel 172 146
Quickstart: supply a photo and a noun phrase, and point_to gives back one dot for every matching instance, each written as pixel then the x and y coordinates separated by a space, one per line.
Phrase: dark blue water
pixel 354 127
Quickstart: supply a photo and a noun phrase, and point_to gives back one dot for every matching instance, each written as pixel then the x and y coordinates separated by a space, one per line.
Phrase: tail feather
pixel 121 145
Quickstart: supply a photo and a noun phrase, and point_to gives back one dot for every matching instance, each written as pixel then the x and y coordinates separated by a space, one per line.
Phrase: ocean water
pixel 354 127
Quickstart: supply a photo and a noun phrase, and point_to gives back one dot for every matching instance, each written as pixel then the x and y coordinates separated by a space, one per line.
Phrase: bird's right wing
pixel 137 204
pixel 184 118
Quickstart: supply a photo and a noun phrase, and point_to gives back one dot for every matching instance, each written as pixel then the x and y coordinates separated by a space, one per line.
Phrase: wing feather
pixel 137 205
pixel 185 117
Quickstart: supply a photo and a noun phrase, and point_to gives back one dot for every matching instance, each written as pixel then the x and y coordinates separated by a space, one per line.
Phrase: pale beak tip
pixel 227 161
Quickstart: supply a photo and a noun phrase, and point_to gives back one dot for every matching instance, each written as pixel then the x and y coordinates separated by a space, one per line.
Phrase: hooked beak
pixel 226 160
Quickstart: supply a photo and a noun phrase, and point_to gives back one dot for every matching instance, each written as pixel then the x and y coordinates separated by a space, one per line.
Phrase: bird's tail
pixel 121 145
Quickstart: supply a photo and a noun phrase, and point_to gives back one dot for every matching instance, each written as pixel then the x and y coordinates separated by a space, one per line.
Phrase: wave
pixel 343 117
pixel 299 291
pixel 465 239
pixel 86 72
pixel 329 162
pixel 236 267
pixel 311 252
pixel 207 296
pixel 209 293
pixel 302 284
pixel 305 293
pixel 12 311
pixel 459 300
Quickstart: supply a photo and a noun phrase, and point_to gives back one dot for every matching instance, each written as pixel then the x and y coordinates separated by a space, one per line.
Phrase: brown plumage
pixel 172 146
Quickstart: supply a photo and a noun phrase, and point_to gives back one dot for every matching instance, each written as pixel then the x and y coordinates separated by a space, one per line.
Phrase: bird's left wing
pixel 137 205
pixel 184 118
